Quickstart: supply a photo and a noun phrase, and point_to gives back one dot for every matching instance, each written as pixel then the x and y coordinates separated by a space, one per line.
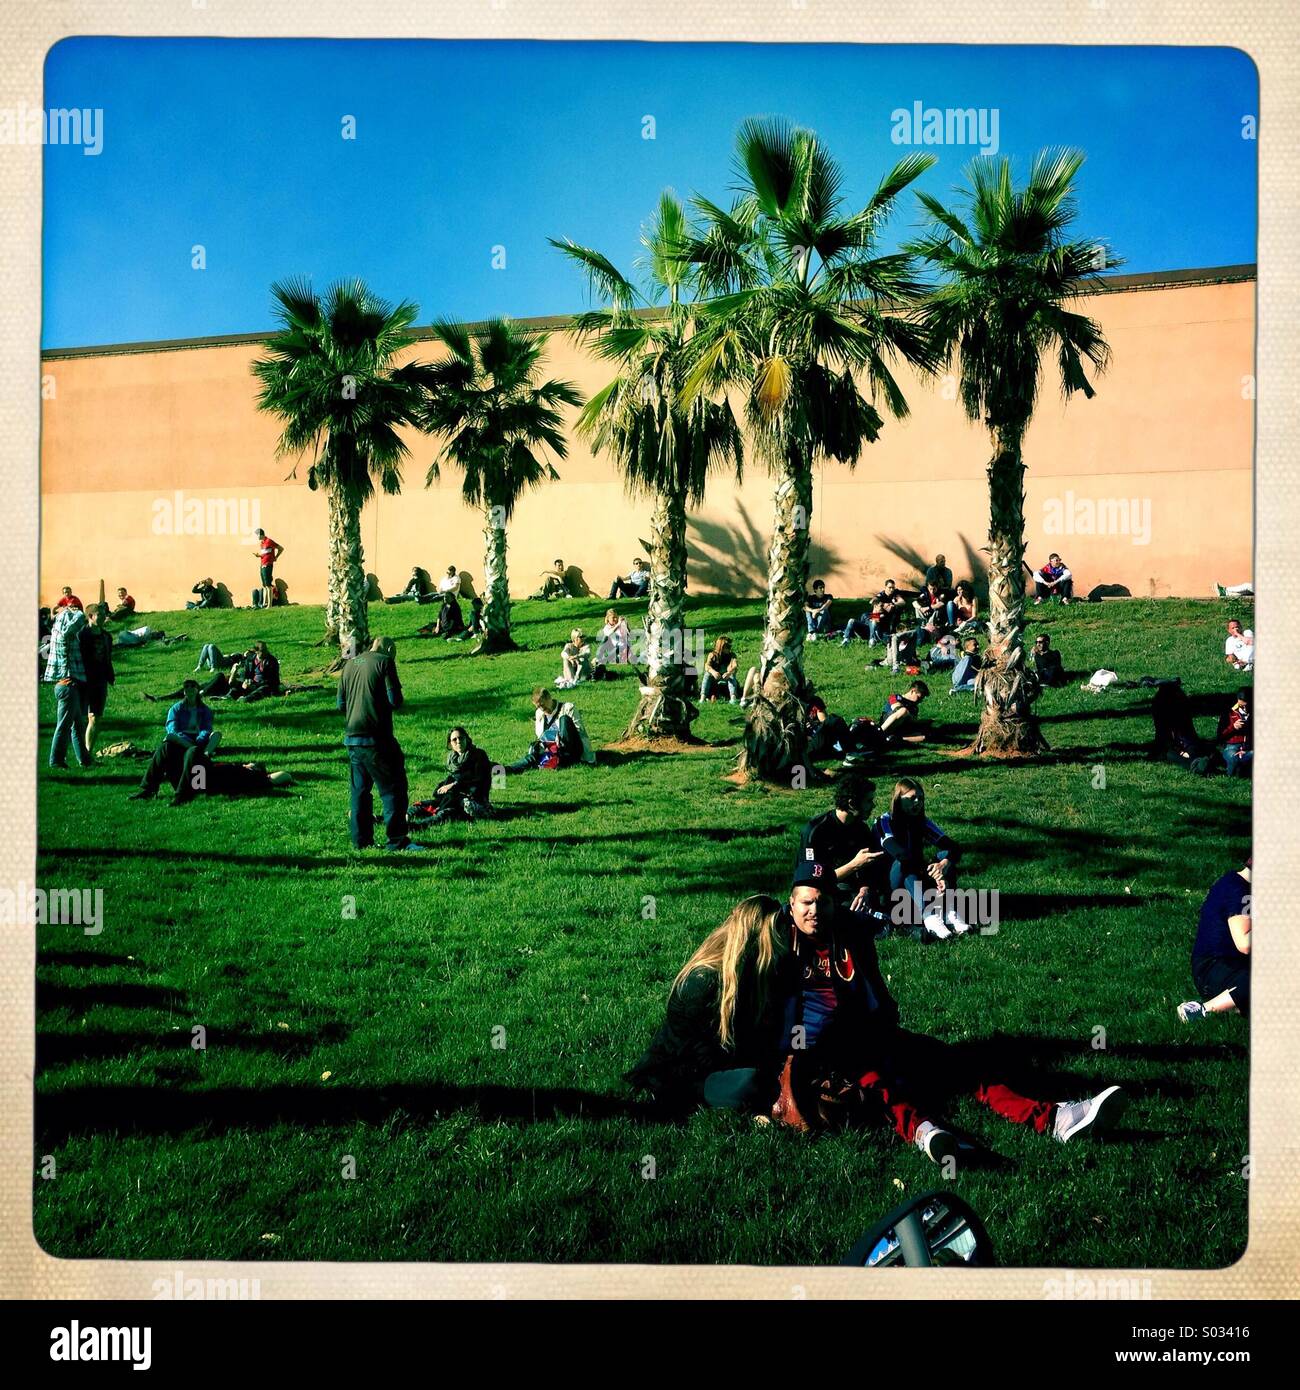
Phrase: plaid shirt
pixel 65 647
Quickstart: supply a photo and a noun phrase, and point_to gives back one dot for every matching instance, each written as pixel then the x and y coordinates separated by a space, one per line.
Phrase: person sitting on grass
pixel 263 677
pixel 879 622
pixel 575 661
pixel 450 621
pixel 1054 580
pixel 466 791
pixel 938 577
pixel 615 647
pixel 560 740
pixel 828 734
pixel 475 627
pixel 1221 952
pixel 969 664
pixel 125 607
pixel 943 655
pixel 1236 736
pixel 845 840
pixel 722 1039
pixel 817 611
pixel 1239 649
pixel 188 733
pixel 208 596
pixel 235 675
pixel 1048 666
pixel 720 672
pixel 414 590
pixel 633 585
pixel 853 1059
pixel 553 582
pixel 1176 739
pixel 963 607
pixel 67 599
pixel 919 889
pixel 898 718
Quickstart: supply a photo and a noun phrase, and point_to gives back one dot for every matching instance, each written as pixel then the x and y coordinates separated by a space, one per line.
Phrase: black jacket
pixel 686 1047
pixel 472 774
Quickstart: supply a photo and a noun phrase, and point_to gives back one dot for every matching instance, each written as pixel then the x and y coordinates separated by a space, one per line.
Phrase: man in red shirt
pixel 268 552
pixel 69 600
pixel 125 607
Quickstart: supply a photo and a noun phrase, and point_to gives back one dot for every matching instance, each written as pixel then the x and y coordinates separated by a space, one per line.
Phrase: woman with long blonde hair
pixel 720 1042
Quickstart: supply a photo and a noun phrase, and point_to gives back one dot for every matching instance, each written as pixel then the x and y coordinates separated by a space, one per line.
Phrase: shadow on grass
pixel 153 1110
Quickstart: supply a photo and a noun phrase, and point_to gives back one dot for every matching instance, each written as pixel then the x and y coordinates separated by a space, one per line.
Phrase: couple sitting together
pixel 783 1013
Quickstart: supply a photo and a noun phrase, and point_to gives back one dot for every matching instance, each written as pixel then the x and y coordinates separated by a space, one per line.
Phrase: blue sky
pixel 462 147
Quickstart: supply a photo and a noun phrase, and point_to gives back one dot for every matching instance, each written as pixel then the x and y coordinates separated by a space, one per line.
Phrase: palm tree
pixel 663 446
pixel 495 415
pixel 329 375
pixel 1010 273
pixel 802 306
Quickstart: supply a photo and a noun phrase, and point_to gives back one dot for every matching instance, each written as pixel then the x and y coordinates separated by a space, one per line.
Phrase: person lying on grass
pixel 919 890
pixel 854 1062
pixel 208 778
pixel 465 792
pixel 560 740
pixel 1221 953
pixel 721 1043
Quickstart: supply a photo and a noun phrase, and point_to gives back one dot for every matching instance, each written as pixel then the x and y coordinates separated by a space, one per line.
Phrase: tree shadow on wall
pixel 975 568
pixel 732 559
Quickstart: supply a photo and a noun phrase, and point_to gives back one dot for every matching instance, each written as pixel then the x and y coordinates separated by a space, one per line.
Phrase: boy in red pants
pixel 848 1053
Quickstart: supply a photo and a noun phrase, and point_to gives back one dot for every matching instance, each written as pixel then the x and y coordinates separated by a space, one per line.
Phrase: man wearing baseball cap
pixel 846 1047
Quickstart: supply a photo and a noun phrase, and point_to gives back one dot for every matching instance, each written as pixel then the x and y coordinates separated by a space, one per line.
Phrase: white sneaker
pixel 935 1143
pixel 812 636
pixel 933 924
pixel 1093 1117
pixel 955 922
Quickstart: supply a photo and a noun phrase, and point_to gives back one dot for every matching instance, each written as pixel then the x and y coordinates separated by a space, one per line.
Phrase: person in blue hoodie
pixel 188 732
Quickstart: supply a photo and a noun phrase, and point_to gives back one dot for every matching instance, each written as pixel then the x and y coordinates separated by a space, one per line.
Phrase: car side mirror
pixel 934 1228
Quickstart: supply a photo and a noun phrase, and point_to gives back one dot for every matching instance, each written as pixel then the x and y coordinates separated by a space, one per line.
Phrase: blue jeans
pixel 906 876
pixel 382 767
pixel 711 683
pixel 69 725
pixel 1238 760
pixel 819 622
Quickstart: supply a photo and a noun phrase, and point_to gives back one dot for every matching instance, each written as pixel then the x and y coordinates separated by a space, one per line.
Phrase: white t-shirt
pixel 449 584
pixel 1242 647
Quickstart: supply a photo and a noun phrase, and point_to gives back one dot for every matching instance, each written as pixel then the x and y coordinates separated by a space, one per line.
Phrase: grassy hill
pixel 350 999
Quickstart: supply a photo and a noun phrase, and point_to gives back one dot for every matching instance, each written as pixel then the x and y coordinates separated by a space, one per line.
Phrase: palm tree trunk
pixel 665 712
pixel 496 586
pixel 335 523
pixel 347 571
pixel 1008 685
pixel 775 739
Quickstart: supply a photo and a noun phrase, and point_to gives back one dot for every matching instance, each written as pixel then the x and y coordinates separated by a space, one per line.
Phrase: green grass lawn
pixel 350 999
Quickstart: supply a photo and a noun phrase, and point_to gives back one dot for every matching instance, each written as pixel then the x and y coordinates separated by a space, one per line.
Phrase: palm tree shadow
pixel 976 570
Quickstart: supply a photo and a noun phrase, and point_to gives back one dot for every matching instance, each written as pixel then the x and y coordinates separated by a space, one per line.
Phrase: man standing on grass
pixel 97 658
pixel 369 692
pixel 66 671
pixel 268 552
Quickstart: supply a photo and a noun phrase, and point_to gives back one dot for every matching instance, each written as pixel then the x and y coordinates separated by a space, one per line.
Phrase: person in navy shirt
pixel 1221 952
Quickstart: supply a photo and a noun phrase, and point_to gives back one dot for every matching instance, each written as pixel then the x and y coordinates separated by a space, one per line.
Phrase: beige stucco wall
pixel 1166 444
